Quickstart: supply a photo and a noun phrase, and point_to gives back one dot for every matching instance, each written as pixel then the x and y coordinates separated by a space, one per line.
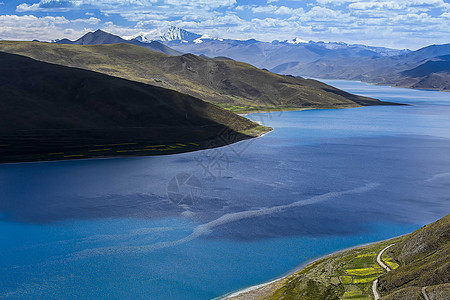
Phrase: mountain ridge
pixel 400 70
pixel 231 84
pixel 271 54
pixel 100 37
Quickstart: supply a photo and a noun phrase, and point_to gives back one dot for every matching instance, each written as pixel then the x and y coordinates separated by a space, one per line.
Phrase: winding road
pixel 424 293
pixel 388 269
pixel 384 266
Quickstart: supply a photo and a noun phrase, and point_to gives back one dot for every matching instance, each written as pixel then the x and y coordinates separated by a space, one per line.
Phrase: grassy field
pixel 347 275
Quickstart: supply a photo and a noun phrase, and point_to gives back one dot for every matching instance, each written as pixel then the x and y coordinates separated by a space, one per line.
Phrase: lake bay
pixel 202 224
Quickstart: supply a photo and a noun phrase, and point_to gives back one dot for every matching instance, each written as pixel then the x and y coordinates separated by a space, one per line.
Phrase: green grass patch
pixel 366 255
pixel 352 292
pixel 363 271
pixel 364 279
pixel 389 261
pixel 346 279
pixel 392 265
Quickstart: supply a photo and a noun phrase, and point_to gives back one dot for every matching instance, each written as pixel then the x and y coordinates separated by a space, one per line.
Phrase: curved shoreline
pixel 299 268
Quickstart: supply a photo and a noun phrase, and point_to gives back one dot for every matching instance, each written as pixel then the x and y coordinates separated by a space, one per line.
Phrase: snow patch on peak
pixel 141 38
pixel 203 37
pixel 178 34
pixel 297 41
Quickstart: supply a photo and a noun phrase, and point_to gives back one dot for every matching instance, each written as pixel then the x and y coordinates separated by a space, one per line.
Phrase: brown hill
pixel 228 83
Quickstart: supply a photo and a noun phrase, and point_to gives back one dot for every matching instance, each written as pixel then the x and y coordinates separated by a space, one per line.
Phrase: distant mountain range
pixel 426 68
pixel 329 60
pixel 270 55
pixel 297 57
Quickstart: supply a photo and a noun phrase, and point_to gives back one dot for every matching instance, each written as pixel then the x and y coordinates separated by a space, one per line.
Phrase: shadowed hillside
pixel 233 85
pixel 52 112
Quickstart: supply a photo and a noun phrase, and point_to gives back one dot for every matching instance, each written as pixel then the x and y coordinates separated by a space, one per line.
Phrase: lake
pixel 200 225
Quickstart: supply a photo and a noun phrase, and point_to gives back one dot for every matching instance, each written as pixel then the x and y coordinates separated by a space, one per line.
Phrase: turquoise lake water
pixel 203 224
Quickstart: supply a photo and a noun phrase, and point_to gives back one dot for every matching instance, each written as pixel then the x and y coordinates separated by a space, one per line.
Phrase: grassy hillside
pixel 424 259
pixel 230 84
pixel 417 260
pixel 50 112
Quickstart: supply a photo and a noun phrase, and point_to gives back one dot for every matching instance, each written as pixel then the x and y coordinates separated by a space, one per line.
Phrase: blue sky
pixel 398 24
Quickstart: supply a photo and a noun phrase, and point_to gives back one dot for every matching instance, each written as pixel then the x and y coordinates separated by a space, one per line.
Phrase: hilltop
pixel 418 261
pixel 230 84
pixel 52 112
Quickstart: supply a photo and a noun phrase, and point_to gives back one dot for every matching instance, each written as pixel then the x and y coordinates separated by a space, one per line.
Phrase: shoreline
pixel 254 132
pixel 299 268
pixel 246 113
pixel 379 84
pixel 243 114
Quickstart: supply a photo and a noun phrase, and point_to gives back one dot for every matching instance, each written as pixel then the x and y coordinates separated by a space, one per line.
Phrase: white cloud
pixel 397 5
pixel 334 2
pixel 28 27
pixel 47 5
pixel 400 23
pixel 25 7
pixel 278 10
pixel 91 21
pixel 108 5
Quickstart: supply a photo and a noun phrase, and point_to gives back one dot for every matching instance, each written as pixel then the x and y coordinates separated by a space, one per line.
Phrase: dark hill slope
pixel 433 74
pixel 428 68
pixel 100 37
pixel 54 112
pixel 228 83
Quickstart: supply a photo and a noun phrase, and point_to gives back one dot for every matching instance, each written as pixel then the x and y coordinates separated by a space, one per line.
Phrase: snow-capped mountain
pixel 296 41
pixel 278 56
pixel 141 38
pixel 178 34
